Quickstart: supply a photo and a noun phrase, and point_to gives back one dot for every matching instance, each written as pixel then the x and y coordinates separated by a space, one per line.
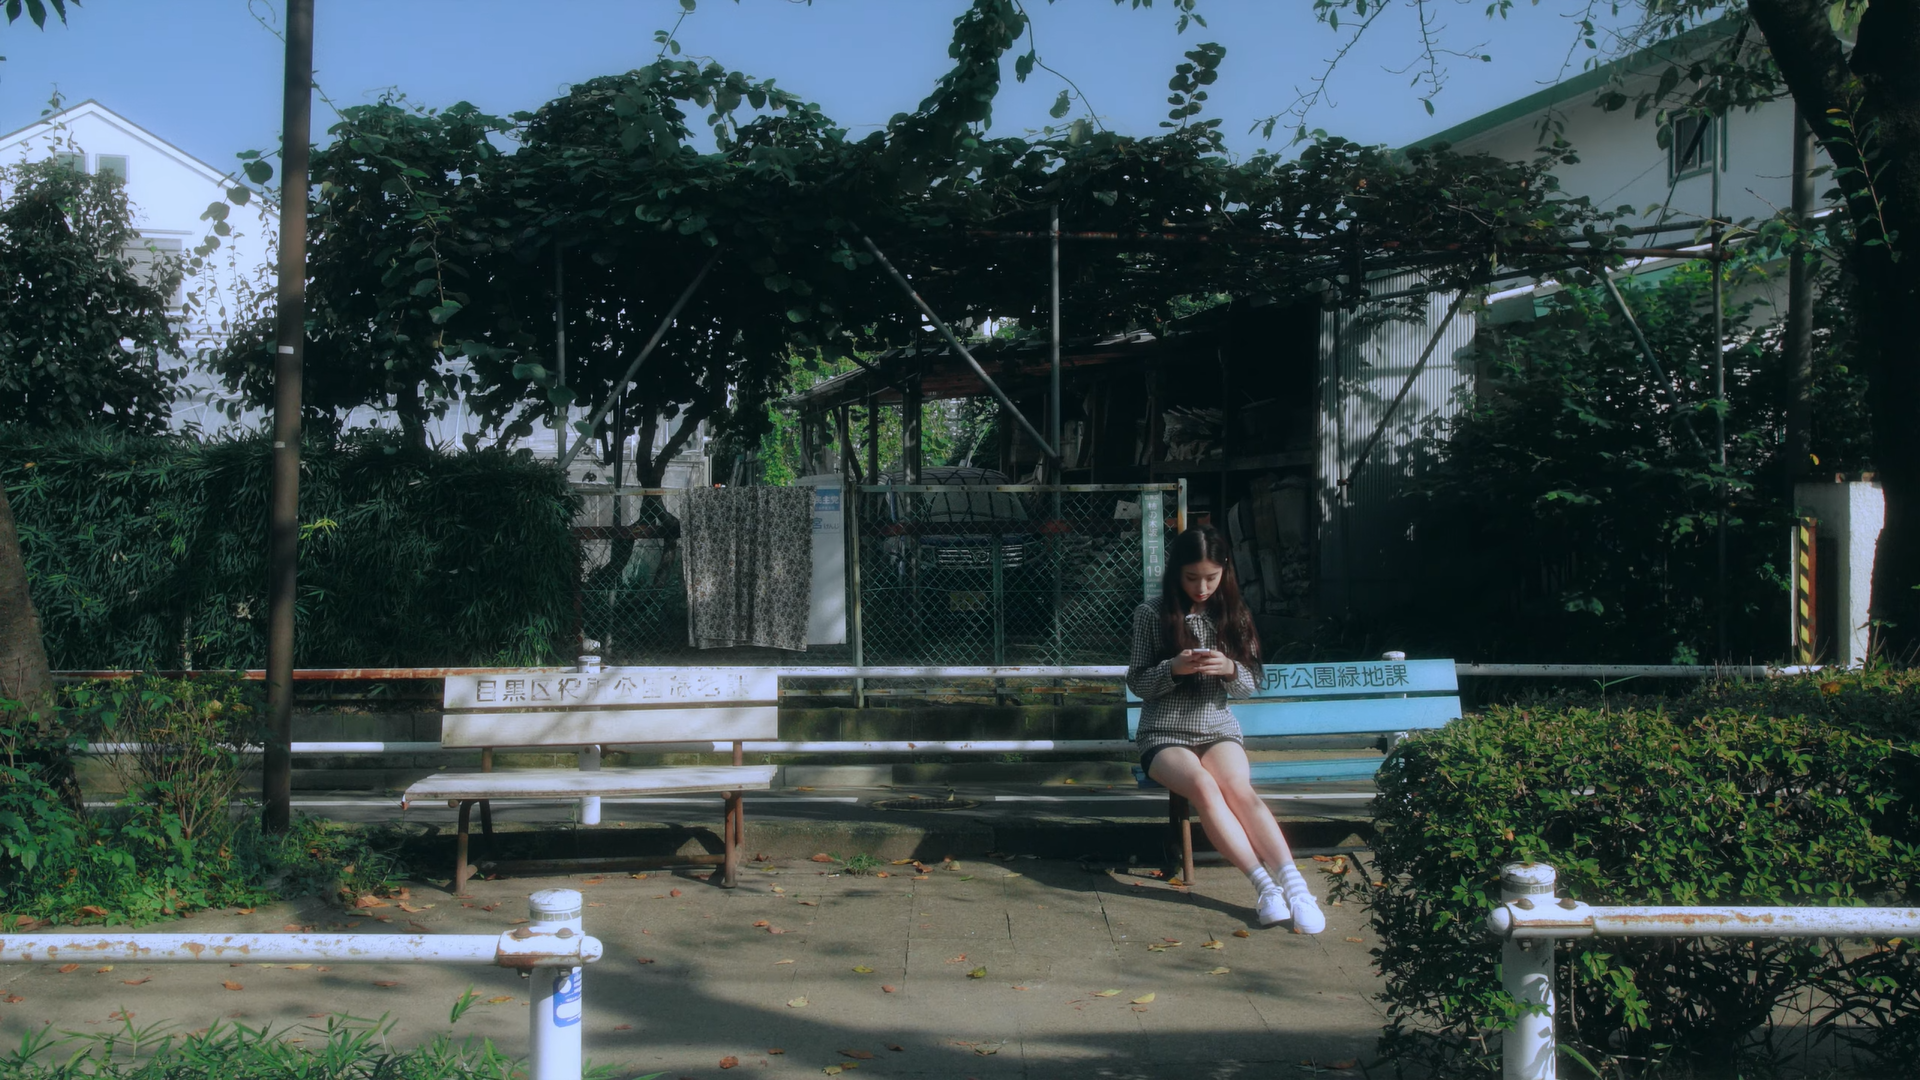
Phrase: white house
pixel 170 191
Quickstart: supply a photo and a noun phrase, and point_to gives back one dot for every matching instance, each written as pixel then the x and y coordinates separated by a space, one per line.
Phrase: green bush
pixel 174 843
pixel 346 1048
pixel 149 552
pixel 1689 802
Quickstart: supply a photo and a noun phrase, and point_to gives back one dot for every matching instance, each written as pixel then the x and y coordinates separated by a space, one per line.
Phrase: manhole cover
pixel 916 802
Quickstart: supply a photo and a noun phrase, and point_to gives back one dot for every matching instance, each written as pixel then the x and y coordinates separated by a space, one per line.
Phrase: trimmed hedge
pixel 150 552
pixel 1793 792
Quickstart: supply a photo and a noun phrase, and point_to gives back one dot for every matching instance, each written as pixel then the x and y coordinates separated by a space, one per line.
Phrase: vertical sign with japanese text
pixel 1153 541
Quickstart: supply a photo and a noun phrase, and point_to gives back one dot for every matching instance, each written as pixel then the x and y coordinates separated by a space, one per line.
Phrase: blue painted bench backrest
pixel 1358 698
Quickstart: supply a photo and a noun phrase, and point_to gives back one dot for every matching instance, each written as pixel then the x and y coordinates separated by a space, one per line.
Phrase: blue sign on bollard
pixel 566 998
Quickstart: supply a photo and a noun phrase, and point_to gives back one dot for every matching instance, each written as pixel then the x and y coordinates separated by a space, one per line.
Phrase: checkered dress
pixel 1180 710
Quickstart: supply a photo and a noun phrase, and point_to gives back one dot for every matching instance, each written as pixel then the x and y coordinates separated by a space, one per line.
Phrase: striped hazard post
pixel 1805 576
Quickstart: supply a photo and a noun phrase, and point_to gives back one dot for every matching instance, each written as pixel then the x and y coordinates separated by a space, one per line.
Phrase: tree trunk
pixel 1877 88
pixel 24 675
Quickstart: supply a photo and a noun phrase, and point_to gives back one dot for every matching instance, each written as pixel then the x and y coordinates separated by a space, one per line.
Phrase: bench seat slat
pixel 1349 717
pixel 575 783
pixel 558 729
pixel 1295 772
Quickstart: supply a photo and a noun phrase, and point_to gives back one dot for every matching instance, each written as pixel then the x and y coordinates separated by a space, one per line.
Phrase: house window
pixel 114 165
pixel 76 162
pixel 1698 141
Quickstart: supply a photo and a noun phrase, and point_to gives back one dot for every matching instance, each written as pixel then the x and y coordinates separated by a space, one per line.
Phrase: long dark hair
pixel 1231 619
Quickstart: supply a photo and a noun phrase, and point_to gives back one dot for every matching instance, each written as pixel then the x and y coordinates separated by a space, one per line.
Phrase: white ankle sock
pixel 1262 880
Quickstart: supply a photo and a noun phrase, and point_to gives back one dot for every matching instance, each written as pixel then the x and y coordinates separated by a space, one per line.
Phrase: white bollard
pixel 557 1005
pixel 1526 972
pixel 589 812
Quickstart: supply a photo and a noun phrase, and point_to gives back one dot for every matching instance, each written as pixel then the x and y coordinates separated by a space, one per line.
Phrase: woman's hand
pixel 1203 662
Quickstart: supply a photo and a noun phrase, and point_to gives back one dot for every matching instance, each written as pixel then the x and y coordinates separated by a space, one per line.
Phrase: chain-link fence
pixel 1006 574
pixel 632 598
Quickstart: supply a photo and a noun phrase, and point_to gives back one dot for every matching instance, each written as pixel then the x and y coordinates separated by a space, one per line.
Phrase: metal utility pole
pixel 1053 396
pixel 560 348
pixel 283 514
pixel 1719 397
pixel 1799 331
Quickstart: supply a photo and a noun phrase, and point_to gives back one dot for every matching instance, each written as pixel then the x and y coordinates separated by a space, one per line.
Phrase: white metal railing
pixel 552 941
pixel 1111 672
pixel 1530 919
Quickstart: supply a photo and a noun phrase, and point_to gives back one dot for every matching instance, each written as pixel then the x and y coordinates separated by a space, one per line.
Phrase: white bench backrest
pixel 618 706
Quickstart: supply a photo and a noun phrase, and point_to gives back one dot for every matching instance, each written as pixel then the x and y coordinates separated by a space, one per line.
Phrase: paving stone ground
pixel 1052 936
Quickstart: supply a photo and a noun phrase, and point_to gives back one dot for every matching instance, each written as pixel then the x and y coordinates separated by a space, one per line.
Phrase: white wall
pixel 1622 164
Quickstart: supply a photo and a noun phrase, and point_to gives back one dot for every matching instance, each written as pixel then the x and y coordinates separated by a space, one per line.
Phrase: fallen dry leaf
pixel 89 909
pixel 885 989
pixel 490 907
pixel 988 1051
pixel 761 923
pixel 594 881
pixel 298 967
pixel 1106 993
pixel 673 892
pixel 1213 943
pixel 68 969
pixel 643 959
pixel 15 999
pixel 729 1062
pixel 797 1003
pixel 1163 946
pixel 896 1048
pixel 833 1070
pixel 1242 933
pixel 1358 941
pixel 595 903
pixel 920 877
pixel 777 963
pixel 977 973
pixel 103 970
pixel 231 985
pixel 961 959
pixel 822 857
pixel 1143 999
pixel 862 969
pixel 510 922
pixel 1220 971
pixel 370 902
pixel 243 911
pixel 500 999
pixel 138 982
pixel 858 1055
pixel 386 984
pixel 901 862
pixel 808 903
pixel 412 909
pixel 1019 988
pixel 772 1050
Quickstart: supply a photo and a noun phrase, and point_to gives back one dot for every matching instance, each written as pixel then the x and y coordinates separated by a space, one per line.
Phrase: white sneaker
pixel 1307 916
pixel 1271 906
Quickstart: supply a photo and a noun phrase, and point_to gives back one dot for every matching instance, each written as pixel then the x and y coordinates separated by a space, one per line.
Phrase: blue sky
pixel 206 76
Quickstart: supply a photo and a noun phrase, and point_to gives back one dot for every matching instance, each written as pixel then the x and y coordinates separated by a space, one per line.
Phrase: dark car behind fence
pixel 986 572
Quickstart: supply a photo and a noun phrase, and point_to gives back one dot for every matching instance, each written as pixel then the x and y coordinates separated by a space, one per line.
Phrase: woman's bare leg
pixel 1179 770
pixel 1226 762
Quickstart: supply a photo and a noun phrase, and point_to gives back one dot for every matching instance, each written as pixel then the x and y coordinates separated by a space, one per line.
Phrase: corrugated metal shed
pixel 1364 360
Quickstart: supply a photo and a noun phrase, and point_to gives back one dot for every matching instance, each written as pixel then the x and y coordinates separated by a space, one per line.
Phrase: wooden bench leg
pixel 732 832
pixel 1180 825
pixel 462 870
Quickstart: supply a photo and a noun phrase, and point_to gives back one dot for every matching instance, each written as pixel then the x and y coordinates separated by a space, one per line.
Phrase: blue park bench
pixel 1388 698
